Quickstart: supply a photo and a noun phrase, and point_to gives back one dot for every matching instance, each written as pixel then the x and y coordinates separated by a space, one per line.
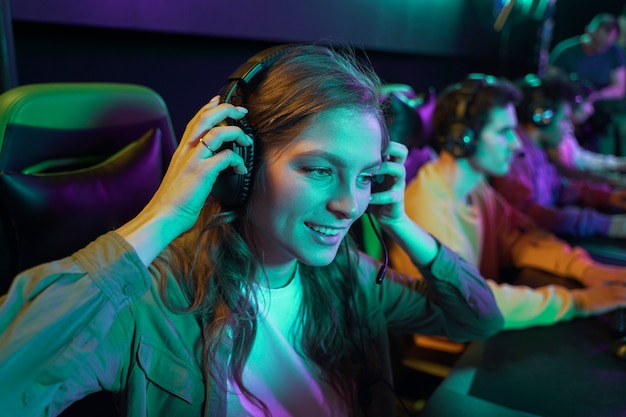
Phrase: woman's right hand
pixel 189 179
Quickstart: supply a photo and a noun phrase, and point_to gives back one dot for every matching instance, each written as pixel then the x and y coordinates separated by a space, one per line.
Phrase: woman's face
pixel 316 188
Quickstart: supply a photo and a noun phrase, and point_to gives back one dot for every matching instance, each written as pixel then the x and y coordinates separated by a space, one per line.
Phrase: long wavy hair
pixel 217 264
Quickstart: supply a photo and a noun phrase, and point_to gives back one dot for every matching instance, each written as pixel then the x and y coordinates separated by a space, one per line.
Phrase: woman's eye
pixel 366 178
pixel 317 171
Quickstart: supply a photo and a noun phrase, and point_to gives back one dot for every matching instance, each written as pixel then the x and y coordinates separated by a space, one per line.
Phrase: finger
pixel 217 140
pixel 208 147
pixel 393 163
pixel 208 118
pixel 226 159
pixel 397 152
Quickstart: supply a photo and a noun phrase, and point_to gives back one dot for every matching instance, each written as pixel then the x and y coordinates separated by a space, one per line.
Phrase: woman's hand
pixel 195 165
pixel 387 199
pixel 189 179
pixel 388 207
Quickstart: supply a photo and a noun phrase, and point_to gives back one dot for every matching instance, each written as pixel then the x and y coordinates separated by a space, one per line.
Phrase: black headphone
pixel 539 109
pixel 231 189
pixel 458 136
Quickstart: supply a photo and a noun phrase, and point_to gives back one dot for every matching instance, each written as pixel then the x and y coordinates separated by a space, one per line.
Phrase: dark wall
pixel 187 70
pixel 439 27
pixel 185 49
pixel 518 52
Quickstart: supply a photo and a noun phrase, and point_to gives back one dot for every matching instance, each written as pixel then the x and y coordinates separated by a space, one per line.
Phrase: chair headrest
pixel 410 117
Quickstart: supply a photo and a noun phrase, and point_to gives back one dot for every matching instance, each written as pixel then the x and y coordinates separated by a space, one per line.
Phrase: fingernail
pixel 242 109
pixel 215 99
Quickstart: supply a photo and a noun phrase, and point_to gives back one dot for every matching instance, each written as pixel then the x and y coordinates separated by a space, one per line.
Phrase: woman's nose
pixel 345 202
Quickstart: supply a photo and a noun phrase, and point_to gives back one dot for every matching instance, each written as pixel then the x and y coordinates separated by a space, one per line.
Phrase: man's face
pixel 560 126
pixel 601 39
pixel 497 142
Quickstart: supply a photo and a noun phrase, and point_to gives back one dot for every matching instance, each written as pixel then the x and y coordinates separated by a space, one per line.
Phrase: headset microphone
pixel 383 268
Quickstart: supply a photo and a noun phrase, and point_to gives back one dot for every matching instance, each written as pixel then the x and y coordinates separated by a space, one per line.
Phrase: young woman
pixel 259 307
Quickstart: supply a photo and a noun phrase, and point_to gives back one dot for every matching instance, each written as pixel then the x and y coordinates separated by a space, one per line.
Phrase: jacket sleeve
pixel 524 307
pixel 531 247
pixel 573 212
pixel 520 306
pixel 449 298
pixel 584 193
pixel 56 316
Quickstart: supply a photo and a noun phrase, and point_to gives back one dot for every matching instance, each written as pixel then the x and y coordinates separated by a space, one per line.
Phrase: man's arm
pixel 615 90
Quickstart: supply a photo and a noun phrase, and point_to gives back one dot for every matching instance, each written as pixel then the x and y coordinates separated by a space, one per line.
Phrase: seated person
pixel 595 59
pixel 450 198
pixel 574 161
pixel 223 299
pixel 563 205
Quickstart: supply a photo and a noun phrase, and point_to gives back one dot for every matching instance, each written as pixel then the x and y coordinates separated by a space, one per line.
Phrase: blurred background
pixel 185 49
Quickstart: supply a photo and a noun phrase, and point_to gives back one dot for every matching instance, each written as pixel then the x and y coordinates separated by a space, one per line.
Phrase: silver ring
pixel 207 146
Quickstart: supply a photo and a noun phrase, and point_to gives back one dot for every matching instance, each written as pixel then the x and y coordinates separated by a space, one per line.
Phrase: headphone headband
pixel 247 71
pixel 539 109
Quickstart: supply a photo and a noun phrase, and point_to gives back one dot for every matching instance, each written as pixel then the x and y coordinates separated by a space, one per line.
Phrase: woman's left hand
pixel 388 207
pixel 387 199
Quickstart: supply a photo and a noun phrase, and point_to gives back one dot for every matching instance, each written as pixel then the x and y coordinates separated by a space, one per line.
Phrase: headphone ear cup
pixel 230 188
pixel 541 112
pixel 539 109
pixel 459 139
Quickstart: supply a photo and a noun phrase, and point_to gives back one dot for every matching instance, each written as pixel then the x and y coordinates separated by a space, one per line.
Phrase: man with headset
pixel 595 58
pixel 563 205
pixel 599 63
pixel 451 198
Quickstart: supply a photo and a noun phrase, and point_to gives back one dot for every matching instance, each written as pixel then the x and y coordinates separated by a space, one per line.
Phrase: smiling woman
pixel 328 185
pixel 202 307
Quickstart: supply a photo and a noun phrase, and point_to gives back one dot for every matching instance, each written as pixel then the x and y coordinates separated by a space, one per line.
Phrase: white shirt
pixel 285 381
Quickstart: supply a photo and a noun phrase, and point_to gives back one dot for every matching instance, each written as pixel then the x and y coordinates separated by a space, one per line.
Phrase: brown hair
pixel 496 92
pixel 605 21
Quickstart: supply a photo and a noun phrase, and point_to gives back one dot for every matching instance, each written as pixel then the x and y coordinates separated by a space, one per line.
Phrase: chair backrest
pixel 76 160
